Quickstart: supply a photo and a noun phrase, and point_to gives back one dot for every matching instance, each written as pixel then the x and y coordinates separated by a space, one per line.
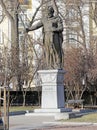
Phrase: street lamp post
pixel 83 81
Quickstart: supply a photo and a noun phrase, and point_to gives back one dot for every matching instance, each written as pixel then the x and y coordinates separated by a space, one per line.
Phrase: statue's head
pixel 50 11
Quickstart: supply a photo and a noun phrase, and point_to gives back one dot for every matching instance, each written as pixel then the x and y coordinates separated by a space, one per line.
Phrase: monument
pixel 53 76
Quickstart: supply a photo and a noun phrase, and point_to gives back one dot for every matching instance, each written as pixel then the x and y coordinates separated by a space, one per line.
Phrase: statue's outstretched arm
pixel 34 27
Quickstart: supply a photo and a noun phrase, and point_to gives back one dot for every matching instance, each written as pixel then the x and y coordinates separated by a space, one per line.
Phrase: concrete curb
pixel 14 113
pixel 71 123
pixel 17 113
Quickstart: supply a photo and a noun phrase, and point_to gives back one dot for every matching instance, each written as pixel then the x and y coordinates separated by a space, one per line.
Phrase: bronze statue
pixel 52 38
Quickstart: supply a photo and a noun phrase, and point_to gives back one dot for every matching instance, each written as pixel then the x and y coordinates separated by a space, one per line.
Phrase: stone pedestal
pixel 52 91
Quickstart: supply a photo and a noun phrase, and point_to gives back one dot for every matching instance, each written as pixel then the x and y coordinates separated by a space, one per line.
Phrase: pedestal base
pixel 58 114
pixel 52 89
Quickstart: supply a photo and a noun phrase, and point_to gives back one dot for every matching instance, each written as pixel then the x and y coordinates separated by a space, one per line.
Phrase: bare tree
pixel 77 42
pixel 10 9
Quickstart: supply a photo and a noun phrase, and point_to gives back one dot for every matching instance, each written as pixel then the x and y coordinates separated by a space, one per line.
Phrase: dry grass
pixel 86 118
pixel 21 108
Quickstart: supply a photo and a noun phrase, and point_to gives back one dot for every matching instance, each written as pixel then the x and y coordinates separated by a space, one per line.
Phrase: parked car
pixel 1 122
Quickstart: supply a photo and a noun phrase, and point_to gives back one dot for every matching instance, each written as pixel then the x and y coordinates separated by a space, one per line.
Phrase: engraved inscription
pixel 49 88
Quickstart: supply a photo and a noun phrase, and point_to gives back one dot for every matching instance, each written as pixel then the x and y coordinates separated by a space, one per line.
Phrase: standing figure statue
pixel 52 38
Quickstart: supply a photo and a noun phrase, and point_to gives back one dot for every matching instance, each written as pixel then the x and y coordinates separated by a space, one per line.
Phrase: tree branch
pixel 5 10
pixel 55 7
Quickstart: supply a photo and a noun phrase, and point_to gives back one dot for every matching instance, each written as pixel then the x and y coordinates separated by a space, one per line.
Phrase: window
pixel 1 37
pixel 23 19
pixel 72 37
pixel 1 14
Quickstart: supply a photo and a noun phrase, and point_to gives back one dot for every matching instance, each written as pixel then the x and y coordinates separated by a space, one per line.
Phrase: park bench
pixel 75 103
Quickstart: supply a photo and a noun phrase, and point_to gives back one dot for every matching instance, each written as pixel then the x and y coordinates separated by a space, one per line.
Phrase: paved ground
pixel 23 122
